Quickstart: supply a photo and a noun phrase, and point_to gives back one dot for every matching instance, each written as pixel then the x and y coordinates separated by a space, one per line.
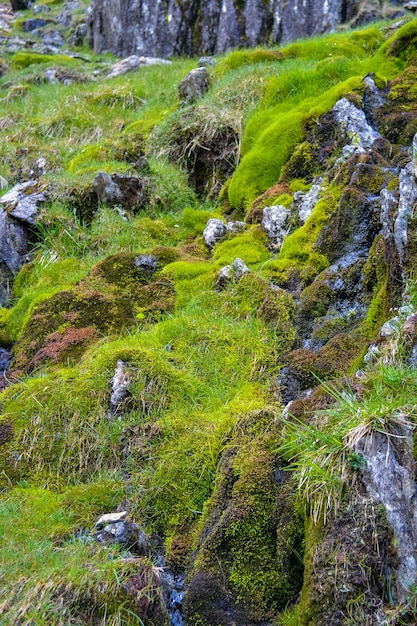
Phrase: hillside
pixel 208 331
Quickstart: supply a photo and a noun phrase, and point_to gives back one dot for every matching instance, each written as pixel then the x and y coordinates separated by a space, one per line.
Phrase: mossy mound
pixel 249 560
pixel 118 293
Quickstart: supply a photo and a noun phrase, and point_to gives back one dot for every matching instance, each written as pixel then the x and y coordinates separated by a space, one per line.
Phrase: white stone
pixel 111 518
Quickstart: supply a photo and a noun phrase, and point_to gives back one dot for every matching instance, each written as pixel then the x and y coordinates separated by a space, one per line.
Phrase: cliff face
pixel 170 27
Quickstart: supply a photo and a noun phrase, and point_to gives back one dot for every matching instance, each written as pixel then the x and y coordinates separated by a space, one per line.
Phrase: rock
pixel 128 191
pixel 236 271
pixel 120 386
pixel 406 204
pixel 134 61
pixel 127 534
pixel 147 263
pixel 372 354
pixel 239 268
pixel 274 222
pixel 414 149
pixel 391 327
pixel 78 35
pixel 206 62
pixel 13 252
pixel 224 278
pixel 214 231
pixel 110 518
pixel 304 203
pixel 54 39
pixel 22 202
pixel 5 360
pixel 194 85
pixel 168 27
pixel 354 125
pixel 31 25
pixel 389 478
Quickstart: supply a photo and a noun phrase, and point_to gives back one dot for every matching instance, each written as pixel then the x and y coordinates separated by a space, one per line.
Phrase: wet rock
pixel 23 201
pixel 194 85
pixel 224 277
pixel 128 191
pixel 167 27
pixel 274 222
pixel 13 252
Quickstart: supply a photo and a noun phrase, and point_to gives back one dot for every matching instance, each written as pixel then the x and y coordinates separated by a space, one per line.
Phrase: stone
pixel 391 327
pixel 127 534
pixel 5 359
pixel 133 62
pixel 13 252
pixel 206 62
pixel 31 25
pixel 110 518
pixel 389 478
pixel 304 203
pixel 194 85
pixel 128 191
pixel 406 204
pixel 168 27
pixel 224 278
pixel 214 231
pixel 23 200
pixel 120 386
pixel 239 268
pixel 274 222
pixel 354 126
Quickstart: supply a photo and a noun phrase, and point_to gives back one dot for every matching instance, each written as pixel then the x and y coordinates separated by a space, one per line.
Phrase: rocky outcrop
pixel 168 27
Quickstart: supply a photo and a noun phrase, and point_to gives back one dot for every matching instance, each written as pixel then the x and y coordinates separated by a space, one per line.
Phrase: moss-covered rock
pixel 249 558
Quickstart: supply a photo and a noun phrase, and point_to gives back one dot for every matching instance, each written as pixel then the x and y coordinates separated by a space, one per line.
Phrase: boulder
pixel 214 231
pixel 128 191
pixel 22 202
pixel 274 222
pixel 194 85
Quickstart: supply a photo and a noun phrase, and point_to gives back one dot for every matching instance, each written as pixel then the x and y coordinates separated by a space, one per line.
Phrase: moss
pixel 303 163
pixel 275 142
pixel 253 534
pixel 403 44
pixel 24 59
pixel 248 57
pixel 250 246
pixel 106 301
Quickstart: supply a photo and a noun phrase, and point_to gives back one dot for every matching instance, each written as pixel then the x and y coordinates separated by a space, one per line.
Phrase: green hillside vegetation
pixel 203 415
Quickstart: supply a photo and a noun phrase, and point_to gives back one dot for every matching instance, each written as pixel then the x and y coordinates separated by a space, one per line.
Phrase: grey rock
pixel 31 25
pixel 235 227
pixel 206 62
pixel 127 534
pixel 13 252
pixel 120 386
pixel 214 231
pixel 406 204
pixel 304 203
pixel 354 126
pixel 274 222
pixel 5 359
pixel 167 27
pixel 239 269
pixel 79 33
pixel 224 277
pixel 391 327
pixel 40 8
pixel 23 201
pixel 54 38
pixel 389 478
pixel 133 62
pixel 372 354
pixel 147 263
pixel 128 191
pixel 194 85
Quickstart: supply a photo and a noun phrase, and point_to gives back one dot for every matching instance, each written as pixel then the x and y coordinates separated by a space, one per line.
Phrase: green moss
pixel 247 57
pixel 250 246
pixel 182 270
pixel 24 59
pixel 275 142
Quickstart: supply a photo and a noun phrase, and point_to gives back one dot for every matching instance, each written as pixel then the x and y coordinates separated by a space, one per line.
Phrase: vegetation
pixel 231 490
